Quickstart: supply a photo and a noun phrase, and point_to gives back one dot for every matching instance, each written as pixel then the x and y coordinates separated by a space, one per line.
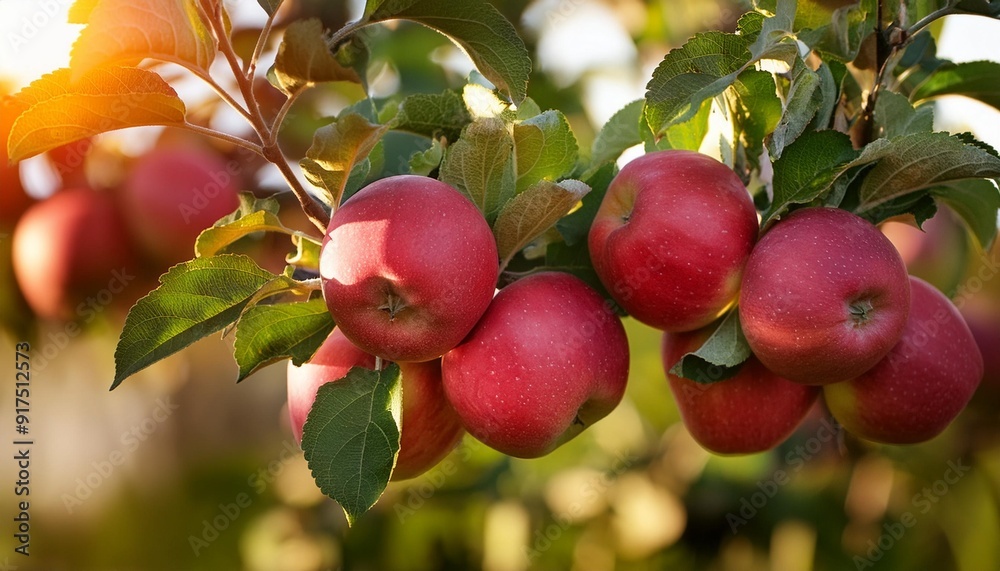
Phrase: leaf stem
pixel 250 67
pixel 342 34
pixel 249 145
pixel 280 117
pixel 270 149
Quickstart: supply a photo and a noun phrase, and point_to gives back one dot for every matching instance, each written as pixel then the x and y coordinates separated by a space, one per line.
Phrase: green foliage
pixel 720 357
pixel 270 333
pixel 194 299
pixel 351 437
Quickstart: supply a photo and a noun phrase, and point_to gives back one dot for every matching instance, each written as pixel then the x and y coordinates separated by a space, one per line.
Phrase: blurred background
pixel 180 468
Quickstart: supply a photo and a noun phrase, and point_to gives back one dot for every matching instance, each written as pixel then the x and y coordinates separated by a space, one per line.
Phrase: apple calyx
pixel 861 311
pixel 393 305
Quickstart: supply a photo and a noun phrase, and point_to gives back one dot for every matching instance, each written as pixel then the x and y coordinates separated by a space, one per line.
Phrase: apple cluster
pixel 823 299
pixel 409 269
pixel 75 246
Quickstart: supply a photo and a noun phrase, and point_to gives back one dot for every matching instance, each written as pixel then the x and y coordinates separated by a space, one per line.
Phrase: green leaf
pixel 529 214
pixel 982 7
pixel 304 58
pixel 270 6
pixel 575 260
pixel 483 103
pixel 919 205
pixel 841 37
pixel 480 165
pixel 213 240
pixel 799 109
pixel 807 169
pixel 894 116
pixel 575 227
pixel 194 299
pixel 710 62
pixel 351 437
pixel 702 68
pixel 977 79
pixel 618 134
pixel 756 111
pixel 267 334
pixel 423 163
pixel 477 28
pixel 688 135
pixel 544 149
pixel 977 202
pixel 336 150
pixel 720 357
pixel 306 254
pixel 433 115
pixel 920 161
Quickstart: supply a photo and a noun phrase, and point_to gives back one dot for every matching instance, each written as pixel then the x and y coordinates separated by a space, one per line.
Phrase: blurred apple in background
pixel 72 255
pixel 430 428
pixel 935 254
pixel 171 195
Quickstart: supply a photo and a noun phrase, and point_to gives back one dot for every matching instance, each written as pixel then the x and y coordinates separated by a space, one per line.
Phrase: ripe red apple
pixel 67 250
pixel 430 428
pixel 753 411
pixel 825 296
pixel 916 390
pixel 547 360
pixel 408 266
pixel 171 195
pixel 671 237
pixel 982 315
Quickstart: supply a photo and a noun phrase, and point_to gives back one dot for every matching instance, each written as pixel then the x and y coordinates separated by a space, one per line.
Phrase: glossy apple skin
pixel 430 428
pixel 825 296
pixel 171 195
pixel 671 237
pixel 68 248
pixel 547 360
pixel 922 385
pixel 751 412
pixel 408 266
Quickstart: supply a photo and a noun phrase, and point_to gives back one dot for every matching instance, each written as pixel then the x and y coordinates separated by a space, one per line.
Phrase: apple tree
pixel 818 109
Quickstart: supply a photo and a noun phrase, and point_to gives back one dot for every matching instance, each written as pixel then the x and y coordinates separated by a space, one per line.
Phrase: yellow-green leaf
pixel 58 111
pixel 128 31
pixel 534 211
pixel 336 149
pixel 304 58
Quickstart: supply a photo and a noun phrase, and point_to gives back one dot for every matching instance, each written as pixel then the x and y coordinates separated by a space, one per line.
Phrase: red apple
pixel 671 238
pixel 982 315
pixel 430 428
pixel 753 411
pixel 547 360
pixel 825 296
pixel 916 390
pixel 171 195
pixel 72 254
pixel 408 266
